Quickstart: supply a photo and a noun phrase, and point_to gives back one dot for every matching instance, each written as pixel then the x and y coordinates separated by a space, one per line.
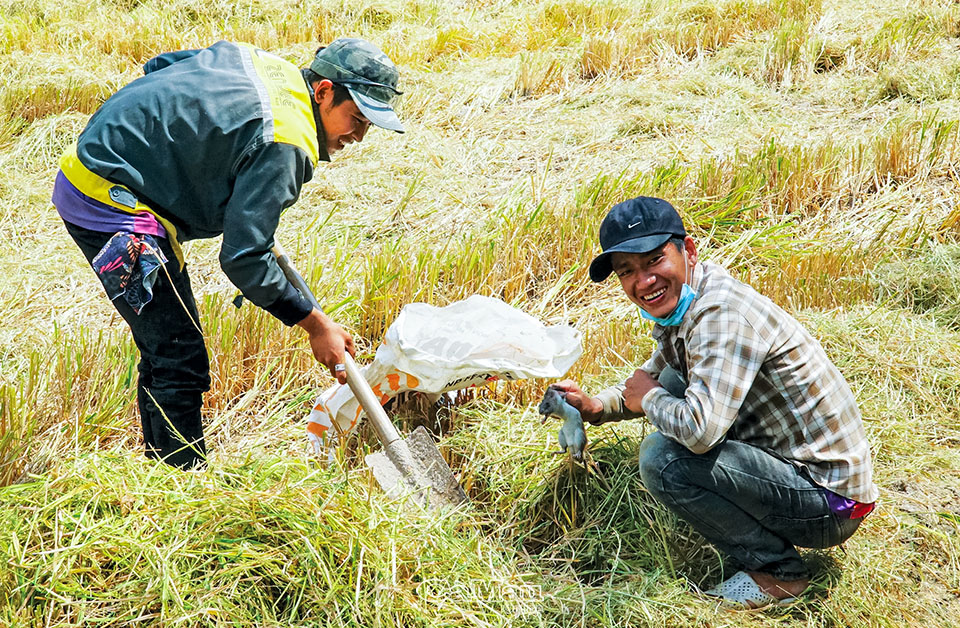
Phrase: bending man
pixel 210 142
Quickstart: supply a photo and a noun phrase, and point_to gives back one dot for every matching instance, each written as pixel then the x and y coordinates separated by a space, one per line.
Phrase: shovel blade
pixel 432 483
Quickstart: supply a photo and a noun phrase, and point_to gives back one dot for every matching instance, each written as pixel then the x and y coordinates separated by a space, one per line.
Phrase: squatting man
pixel 210 142
pixel 759 444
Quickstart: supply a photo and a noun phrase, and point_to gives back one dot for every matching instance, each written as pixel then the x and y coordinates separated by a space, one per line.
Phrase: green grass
pixel 810 147
pixel 927 283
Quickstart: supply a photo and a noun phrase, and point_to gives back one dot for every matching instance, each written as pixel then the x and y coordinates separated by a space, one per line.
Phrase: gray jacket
pixel 216 141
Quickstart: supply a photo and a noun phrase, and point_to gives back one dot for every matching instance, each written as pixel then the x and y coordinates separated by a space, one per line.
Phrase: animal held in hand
pixel 572 437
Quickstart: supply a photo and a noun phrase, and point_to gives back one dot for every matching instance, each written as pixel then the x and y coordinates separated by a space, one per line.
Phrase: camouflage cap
pixel 368 74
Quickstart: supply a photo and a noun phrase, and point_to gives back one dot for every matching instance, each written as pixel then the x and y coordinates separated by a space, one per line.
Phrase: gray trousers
pixel 750 504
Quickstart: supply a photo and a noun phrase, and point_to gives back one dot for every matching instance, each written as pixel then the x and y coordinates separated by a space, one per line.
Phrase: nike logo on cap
pixel 634 224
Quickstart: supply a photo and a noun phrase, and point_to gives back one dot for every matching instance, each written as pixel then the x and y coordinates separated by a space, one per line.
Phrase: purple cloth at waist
pixel 844 507
pixel 79 209
pixel 838 503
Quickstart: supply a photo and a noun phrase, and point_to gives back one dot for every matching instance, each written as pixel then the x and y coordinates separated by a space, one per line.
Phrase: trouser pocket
pixel 818 532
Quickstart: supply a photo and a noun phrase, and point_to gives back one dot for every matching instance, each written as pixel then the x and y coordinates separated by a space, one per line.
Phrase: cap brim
pixel 601 266
pixel 378 113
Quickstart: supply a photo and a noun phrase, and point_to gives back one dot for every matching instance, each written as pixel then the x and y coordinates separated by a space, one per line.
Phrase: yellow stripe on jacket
pixel 115 195
pixel 290 105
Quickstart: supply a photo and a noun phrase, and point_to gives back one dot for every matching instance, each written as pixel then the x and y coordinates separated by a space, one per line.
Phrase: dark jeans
pixel 750 504
pixel 174 370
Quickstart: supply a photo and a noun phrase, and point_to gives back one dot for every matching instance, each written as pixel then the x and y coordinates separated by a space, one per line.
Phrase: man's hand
pixel 590 407
pixel 638 385
pixel 329 341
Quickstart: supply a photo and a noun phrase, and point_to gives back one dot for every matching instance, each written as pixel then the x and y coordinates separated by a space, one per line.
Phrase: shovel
pixel 405 466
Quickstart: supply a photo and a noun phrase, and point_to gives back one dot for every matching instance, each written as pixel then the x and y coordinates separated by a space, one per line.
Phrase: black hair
pixel 340 93
pixel 677 242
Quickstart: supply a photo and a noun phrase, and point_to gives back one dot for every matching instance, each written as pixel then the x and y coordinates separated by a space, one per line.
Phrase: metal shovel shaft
pixel 382 424
pixel 413 464
pixel 395 447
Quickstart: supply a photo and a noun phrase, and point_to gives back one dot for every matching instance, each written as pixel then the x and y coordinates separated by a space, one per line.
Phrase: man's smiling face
pixel 655 279
pixel 343 123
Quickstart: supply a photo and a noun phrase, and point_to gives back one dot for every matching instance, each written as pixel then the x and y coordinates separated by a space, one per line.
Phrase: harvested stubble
pixel 810 147
pixel 116 541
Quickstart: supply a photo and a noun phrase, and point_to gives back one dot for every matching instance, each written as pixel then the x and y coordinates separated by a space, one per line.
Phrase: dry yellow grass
pixel 810 146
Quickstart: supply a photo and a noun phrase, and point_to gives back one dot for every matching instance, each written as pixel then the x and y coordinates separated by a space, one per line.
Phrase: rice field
pixel 811 147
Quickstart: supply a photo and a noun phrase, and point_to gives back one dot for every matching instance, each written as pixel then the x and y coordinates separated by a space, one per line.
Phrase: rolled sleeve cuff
pixel 613 408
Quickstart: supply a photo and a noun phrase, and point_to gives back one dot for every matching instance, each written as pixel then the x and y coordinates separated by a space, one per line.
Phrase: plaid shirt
pixel 755 375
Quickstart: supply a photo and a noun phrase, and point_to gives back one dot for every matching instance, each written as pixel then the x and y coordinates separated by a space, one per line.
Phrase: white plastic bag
pixel 438 349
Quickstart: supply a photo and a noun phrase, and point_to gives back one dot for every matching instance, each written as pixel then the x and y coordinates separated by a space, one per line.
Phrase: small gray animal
pixel 572 436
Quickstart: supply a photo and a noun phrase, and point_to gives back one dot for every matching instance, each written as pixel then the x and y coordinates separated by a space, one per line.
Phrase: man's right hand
pixel 635 388
pixel 590 407
pixel 328 341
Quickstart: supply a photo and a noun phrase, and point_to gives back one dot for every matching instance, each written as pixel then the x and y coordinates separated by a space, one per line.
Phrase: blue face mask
pixel 687 295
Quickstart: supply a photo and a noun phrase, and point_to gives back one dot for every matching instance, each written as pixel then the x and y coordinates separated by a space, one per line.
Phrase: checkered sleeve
pixel 612 397
pixel 725 352
pixel 655 365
